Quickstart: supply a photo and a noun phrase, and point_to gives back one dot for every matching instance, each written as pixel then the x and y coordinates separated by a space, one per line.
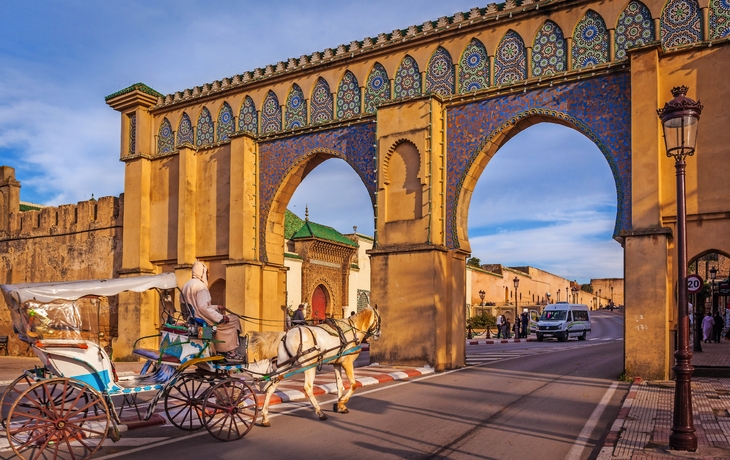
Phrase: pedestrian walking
pixel 505 327
pixel 707 324
pixel 717 328
pixel 517 327
pixel 524 320
pixel 500 320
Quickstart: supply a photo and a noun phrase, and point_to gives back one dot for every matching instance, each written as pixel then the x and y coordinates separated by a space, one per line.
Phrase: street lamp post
pixel 611 295
pixel 599 298
pixel 713 275
pixel 558 295
pixel 481 296
pixel 517 283
pixel 680 118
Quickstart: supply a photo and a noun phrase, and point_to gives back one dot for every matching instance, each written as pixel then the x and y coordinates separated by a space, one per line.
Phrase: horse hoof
pixel 322 416
pixel 267 424
pixel 334 408
pixel 344 410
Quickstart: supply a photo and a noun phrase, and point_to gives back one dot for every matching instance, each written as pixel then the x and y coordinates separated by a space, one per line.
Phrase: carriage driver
pixel 195 292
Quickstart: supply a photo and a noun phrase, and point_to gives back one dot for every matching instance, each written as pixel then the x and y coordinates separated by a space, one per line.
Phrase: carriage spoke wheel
pixel 11 393
pixel 229 409
pixel 57 419
pixel 184 401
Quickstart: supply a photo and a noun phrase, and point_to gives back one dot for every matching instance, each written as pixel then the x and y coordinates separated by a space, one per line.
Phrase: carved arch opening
pixel 402 182
pixel 498 138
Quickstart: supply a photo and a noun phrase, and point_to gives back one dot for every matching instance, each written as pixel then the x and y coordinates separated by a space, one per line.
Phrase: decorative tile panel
pixel 132 133
pixel 719 18
pixel 296 108
pixel 590 41
pixel 355 144
pixel 549 51
pixel 165 139
pixel 185 131
pixel 348 96
pixel 474 67
pixel 204 129
pixel 407 79
pixel 225 122
pixel 598 107
pixel 377 89
pixel 680 23
pixel 634 28
pixel 440 75
pixel 248 120
pixel 271 114
pixel 322 105
pixel 510 62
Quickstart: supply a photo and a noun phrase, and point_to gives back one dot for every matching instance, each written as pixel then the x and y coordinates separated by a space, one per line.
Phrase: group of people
pixel 712 327
pixel 505 327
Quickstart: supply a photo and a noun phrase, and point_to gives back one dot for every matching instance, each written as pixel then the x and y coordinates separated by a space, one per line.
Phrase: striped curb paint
pixel 493 341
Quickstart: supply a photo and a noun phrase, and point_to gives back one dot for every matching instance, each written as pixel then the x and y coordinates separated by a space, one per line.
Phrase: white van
pixel 562 321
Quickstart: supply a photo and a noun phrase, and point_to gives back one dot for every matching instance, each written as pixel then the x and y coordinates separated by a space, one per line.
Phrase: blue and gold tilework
pixel 680 23
pixel 598 107
pixel 634 28
pixel 225 122
pixel 348 96
pixel 590 41
pixel 165 140
pixel 377 89
pixel 719 18
pixel 270 114
pixel 407 79
pixel 185 130
pixel 510 62
pixel 204 129
pixel 247 118
pixel 440 75
pixel 321 105
pixel 296 108
pixel 549 51
pixel 474 67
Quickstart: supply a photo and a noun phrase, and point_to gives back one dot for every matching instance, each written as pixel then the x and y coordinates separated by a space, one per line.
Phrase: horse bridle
pixel 376 333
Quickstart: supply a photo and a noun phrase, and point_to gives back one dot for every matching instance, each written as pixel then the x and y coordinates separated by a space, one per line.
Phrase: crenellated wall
pixel 68 242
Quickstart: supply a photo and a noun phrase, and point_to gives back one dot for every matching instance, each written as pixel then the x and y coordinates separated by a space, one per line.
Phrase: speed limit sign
pixel 694 283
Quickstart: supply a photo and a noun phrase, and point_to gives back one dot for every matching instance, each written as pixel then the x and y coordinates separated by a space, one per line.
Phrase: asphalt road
pixel 531 400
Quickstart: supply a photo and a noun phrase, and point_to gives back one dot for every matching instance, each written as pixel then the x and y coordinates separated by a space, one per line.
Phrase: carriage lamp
pixel 713 275
pixel 680 119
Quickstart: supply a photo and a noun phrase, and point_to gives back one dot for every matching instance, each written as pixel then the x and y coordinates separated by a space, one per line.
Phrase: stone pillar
pixel 423 320
pixel 9 196
pixel 140 316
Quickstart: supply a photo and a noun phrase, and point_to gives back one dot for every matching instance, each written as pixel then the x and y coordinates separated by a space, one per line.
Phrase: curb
pixel 614 433
pixel 493 341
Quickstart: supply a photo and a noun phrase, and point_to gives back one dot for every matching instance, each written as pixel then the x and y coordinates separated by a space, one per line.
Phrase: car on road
pixel 563 321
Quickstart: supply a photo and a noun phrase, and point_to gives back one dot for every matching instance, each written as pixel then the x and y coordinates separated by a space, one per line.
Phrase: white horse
pixel 303 348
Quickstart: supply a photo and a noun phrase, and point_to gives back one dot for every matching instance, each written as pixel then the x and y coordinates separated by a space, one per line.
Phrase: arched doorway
pixel 218 292
pixel 319 303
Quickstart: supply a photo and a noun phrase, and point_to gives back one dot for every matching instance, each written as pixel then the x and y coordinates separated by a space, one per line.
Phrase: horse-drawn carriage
pixel 69 405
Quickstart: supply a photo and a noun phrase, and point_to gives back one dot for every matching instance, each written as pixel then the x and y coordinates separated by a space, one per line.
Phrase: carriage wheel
pixel 184 401
pixel 10 395
pixel 229 409
pixel 56 419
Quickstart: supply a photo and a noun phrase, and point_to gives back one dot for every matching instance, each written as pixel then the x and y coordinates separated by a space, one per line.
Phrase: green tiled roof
pixel 292 224
pixel 29 207
pixel 137 86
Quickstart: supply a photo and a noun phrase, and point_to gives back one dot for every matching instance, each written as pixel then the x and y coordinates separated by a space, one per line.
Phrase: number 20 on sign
pixel 694 283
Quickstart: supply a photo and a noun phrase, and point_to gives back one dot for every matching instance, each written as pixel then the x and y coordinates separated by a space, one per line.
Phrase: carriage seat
pixel 155 355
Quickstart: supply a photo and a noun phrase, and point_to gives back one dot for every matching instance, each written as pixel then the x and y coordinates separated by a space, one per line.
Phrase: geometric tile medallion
pixel 185 131
pixel 590 41
pixel 407 79
pixel 165 140
pixel 634 28
pixel 270 114
pixel 296 108
pixel 321 102
pixel 225 122
pixel 549 55
pixel 474 67
pixel 204 130
pixel 348 96
pixel 719 18
pixel 440 77
pixel 510 63
pixel 680 23
pixel 247 119
pixel 377 89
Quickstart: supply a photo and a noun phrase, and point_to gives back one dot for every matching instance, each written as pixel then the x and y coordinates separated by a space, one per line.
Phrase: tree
pixel 474 262
pixel 587 288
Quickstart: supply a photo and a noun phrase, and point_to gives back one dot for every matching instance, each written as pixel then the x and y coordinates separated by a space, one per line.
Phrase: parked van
pixel 562 321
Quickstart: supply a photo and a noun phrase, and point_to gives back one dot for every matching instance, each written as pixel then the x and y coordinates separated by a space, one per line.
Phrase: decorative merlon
pixel 138 94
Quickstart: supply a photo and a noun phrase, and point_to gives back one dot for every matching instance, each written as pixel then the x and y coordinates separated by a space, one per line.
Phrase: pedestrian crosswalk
pixel 474 358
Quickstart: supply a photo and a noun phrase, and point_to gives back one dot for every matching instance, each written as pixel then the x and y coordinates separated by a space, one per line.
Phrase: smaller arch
pixel 296 108
pixel 225 122
pixel 407 79
pixel 719 19
pixel 634 28
pixel 680 23
pixel 204 129
pixel 321 102
pixel 185 133
pixel 590 41
pixel 377 89
pixel 348 96
pixel 549 51
pixel 270 114
pixel 401 172
pixel 510 60
pixel 218 292
pixel 165 137
pixel 473 67
pixel 248 120
pixel 440 75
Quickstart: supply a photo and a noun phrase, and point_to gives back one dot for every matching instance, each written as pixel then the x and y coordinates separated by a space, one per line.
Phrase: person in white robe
pixel 707 324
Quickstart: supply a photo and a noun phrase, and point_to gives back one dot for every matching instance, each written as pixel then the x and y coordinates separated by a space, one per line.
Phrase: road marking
pixel 582 441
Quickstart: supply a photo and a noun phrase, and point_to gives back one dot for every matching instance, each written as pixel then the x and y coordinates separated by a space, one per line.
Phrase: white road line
pixel 582 441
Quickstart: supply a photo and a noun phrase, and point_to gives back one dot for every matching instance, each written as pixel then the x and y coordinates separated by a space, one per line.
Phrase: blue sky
pixel 547 199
